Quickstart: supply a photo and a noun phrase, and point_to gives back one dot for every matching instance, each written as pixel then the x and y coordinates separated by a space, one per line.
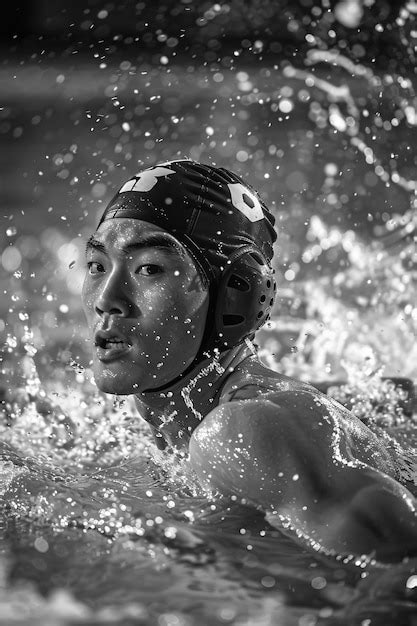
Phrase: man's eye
pixel 149 269
pixel 94 267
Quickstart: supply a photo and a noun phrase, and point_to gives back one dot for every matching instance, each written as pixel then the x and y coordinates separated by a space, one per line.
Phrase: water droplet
pixel 31 350
pixel 411 582
pixel 41 545
pixel 319 582
pixel 11 342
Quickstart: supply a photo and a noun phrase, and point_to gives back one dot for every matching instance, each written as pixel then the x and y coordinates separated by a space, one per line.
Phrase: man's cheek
pixel 90 317
pixel 196 304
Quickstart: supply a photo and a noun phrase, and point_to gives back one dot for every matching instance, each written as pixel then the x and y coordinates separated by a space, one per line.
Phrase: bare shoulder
pixel 298 430
pixel 297 455
pixel 265 421
pixel 267 451
pixel 302 411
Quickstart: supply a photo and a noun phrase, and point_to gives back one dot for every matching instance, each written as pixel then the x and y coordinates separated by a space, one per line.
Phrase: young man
pixel 178 281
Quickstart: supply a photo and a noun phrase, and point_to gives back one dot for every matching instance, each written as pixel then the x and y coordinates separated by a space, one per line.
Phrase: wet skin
pixel 311 466
pixel 301 459
pixel 145 306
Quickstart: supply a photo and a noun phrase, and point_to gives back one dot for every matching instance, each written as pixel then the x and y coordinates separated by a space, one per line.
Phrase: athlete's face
pixel 145 305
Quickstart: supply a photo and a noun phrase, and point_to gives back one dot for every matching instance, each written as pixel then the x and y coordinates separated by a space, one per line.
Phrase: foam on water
pixel 98 522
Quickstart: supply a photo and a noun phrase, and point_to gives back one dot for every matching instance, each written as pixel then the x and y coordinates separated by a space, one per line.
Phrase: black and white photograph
pixel 208 313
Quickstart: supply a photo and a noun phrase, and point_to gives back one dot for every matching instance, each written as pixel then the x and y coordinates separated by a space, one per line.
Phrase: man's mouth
pixel 110 347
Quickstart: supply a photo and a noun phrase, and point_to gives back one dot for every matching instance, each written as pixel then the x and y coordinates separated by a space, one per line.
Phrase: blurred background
pixel 313 102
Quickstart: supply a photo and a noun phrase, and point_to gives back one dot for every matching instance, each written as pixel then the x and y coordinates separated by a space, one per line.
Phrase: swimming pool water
pixel 128 537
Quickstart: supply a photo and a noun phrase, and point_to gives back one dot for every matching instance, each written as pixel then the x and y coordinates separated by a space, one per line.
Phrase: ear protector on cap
pixel 245 296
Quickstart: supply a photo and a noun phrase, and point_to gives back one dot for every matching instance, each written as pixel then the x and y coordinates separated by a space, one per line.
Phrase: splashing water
pixel 82 482
pixel 98 526
pixel 214 365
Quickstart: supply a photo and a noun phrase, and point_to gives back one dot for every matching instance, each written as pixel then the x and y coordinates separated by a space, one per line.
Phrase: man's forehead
pixel 128 235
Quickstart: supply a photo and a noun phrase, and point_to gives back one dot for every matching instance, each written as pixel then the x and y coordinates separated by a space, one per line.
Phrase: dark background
pixel 66 27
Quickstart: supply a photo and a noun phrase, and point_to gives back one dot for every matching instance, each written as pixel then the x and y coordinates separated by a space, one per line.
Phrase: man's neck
pixel 175 413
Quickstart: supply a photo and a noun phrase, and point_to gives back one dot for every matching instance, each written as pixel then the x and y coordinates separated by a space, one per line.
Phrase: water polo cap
pixel 226 228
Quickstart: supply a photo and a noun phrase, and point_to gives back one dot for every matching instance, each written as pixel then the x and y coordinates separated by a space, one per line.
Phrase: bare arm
pixel 291 458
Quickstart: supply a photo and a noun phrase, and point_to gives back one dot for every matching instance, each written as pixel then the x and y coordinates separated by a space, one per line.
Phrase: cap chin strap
pixel 199 358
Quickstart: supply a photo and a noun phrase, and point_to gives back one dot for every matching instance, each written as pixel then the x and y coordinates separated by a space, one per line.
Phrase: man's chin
pixel 114 388
pixel 117 384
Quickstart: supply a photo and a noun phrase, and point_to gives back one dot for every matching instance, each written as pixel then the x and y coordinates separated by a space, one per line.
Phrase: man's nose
pixel 113 298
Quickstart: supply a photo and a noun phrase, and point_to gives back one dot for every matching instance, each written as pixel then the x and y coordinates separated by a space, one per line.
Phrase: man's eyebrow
pixel 155 240
pixel 94 244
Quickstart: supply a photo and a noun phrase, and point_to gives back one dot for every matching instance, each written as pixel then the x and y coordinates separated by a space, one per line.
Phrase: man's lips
pixel 111 345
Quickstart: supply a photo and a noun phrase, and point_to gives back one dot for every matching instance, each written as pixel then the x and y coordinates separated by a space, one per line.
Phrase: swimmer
pixel 178 281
